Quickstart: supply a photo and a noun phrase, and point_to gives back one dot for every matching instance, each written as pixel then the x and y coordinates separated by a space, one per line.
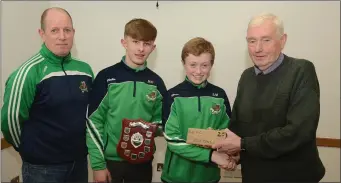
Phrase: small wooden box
pixel 204 137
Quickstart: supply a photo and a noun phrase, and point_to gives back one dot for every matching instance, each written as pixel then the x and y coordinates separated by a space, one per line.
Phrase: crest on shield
pixel 136 143
pixel 136 139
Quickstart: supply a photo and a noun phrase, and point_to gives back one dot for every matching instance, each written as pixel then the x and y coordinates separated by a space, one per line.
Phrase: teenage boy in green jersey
pixel 195 103
pixel 128 89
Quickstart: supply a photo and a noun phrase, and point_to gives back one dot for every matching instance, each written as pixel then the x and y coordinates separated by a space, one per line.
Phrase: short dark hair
pixel 44 14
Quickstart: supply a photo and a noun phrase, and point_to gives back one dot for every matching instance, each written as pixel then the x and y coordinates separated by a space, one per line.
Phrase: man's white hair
pixel 259 19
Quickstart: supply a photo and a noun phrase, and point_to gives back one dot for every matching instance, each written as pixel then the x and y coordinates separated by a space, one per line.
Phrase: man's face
pixel 198 68
pixel 264 44
pixel 137 51
pixel 59 33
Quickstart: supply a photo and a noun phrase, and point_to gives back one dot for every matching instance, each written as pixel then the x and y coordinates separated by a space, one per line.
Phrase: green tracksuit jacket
pixel 44 110
pixel 193 106
pixel 120 92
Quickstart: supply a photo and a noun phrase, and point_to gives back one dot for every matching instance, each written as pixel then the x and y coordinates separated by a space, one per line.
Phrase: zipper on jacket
pixel 170 161
pixel 63 66
pixel 106 144
pixel 199 104
pixel 134 92
pixel 68 81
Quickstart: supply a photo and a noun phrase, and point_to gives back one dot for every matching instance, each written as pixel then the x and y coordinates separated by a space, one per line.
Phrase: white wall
pixel 313 30
pixel 98 37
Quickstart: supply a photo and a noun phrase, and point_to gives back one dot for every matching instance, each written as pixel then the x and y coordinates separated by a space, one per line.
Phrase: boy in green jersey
pixel 128 89
pixel 195 103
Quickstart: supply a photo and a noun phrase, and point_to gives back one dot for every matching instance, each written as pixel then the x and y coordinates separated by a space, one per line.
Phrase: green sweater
pixel 277 114
pixel 192 106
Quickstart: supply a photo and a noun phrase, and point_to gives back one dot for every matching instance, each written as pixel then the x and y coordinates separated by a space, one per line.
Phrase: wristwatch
pixel 242 144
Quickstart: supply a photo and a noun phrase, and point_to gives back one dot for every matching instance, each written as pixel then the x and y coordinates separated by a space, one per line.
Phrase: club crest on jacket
pixel 151 96
pixel 215 109
pixel 83 87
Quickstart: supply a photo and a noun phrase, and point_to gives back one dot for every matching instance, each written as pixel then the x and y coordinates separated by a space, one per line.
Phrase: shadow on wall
pixel 183 73
pixel 10 165
pixel 212 75
pixel 248 62
pixel 74 51
pixel 152 59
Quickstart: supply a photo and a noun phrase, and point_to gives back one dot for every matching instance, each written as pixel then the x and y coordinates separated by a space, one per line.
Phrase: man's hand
pixel 229 145
pixel 102 176
pixel 236 157
pixel 223 161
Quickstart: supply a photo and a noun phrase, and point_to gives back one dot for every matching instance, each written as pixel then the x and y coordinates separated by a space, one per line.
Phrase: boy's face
pixel 137 51
pixel 198 68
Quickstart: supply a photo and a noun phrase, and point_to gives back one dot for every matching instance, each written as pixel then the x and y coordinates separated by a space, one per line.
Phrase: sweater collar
pixel 274 66
pixel 52 57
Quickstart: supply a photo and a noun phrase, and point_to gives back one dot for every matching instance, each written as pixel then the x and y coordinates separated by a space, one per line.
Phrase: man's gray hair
pixel 259 19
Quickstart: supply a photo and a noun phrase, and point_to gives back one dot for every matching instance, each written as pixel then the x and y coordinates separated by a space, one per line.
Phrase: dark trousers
pixel 123 171
pixel 75 172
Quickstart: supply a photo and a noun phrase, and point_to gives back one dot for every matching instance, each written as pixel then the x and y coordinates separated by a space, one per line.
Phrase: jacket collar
pixel 123 60
pixel 51 57
pixel 198 86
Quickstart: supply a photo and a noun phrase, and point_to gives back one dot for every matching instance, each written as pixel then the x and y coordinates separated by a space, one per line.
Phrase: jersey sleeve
pixel 19 94
pixel 178 145
pixel 97 109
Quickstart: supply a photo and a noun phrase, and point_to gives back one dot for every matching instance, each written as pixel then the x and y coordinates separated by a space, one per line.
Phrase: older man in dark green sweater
pixel 276 111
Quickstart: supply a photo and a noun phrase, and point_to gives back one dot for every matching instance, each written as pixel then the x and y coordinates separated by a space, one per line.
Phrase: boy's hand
pixel 102 176
pixel 223 161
